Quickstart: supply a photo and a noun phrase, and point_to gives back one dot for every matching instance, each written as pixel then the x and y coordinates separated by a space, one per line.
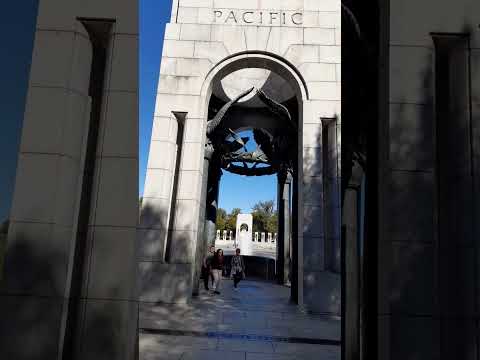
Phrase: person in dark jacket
pixel 217 266
pixel 206 267
pixel 238 269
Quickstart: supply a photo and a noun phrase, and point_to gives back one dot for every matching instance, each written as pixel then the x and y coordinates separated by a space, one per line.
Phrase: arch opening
pixel 262 96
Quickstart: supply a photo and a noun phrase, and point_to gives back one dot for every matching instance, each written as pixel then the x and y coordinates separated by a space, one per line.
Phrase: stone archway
pixel 264 93
pixel 174 227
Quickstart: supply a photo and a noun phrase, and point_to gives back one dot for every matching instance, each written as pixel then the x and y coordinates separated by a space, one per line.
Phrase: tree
pixel 221 219
pixel 232 219
pixel 265 217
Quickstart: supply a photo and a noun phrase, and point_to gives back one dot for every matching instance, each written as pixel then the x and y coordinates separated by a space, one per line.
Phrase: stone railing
pixel 262 249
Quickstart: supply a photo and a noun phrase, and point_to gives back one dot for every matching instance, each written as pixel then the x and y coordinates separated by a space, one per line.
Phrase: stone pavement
pixel 255 323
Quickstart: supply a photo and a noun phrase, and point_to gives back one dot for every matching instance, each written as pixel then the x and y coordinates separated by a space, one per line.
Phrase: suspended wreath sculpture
pixel 274 150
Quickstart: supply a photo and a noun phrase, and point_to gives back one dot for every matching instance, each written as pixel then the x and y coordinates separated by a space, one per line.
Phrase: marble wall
pixel 70 269
pixel 428 257
pixel 206 40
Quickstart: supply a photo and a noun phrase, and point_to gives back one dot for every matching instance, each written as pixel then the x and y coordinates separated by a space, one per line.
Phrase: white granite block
pixel 319 36
pixel 192 153
pixel 124 58
pixel 315 110
pixel 187 15
pixel 154 213
pixel 189 183
pixel 81 64
pixel 117 199
pixel 168 103
pixel 197 3
pixel 232 37
pixel 193 130
pixel 162 155
pixel 186 215
pixel 158 183
pixel 185 85
pixel 323 5
pixel 229 4
pixel 45 122
pixel 299 54
pixel 329 19
pixel 310 18
pixel 214 51
pixel 168 66
pixel 289 36
pixel 338 37
pixel 51 59
pixel 32 199
pixel 125 13
pixel 312 161
pixel 68 172
pixel 313 190
pixel 175 48
pixel 312 135
pixel 318 71
pixel 331 54
pixel 55 15
pixel 325 90
pixel 172 31
pixel 281 4
pixel 74 124
pixel 112 267
pixel 313 217
pixel 192 67
pixel 120 137
pixel 257 37
pixel 411 76
pixel 205 15
pixel 195 32
pixel 164 129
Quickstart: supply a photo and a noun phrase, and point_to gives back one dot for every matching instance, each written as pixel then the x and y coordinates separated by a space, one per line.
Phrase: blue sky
pixel 235 191
pixel 14 73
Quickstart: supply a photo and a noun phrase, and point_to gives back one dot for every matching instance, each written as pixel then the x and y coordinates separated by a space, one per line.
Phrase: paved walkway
pixel 255 323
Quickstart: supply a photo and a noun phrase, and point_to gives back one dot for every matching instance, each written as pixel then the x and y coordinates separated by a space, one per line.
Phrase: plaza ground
pixel 255 323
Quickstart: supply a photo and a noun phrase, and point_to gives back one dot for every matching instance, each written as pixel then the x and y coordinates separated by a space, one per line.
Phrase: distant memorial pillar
pixel 224 237
pixel 262 237
pixel 218 235
pixel 284 226
pixel 230 235
pixel 269 237
pixel 244 233
pixel 256 236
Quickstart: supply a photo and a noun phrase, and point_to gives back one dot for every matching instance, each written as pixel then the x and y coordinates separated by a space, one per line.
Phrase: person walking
pixel 206 266
pixel 217 266
pixel 237 272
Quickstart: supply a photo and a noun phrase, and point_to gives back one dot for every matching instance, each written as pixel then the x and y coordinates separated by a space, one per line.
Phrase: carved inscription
pixel 278 18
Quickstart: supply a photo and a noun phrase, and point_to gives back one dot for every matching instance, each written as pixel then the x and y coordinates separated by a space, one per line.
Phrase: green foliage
pixel 221 219
pixel 232 219
pixel 265 217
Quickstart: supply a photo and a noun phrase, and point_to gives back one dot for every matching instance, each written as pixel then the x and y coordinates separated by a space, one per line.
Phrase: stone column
pixel 208 212
pixel 352 225
pixel 284 236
